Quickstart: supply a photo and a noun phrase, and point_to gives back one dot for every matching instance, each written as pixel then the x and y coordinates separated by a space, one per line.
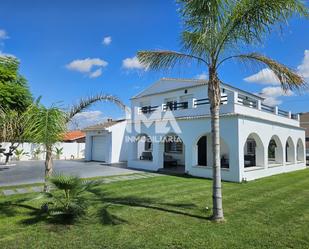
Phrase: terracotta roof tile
pixel 73 135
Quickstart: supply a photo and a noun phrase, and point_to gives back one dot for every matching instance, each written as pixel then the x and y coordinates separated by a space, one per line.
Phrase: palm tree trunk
pixel 48 166
pixel 214 96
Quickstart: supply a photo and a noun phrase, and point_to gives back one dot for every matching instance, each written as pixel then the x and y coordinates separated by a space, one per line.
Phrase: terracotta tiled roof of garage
pixel 104 125
pixel 74 135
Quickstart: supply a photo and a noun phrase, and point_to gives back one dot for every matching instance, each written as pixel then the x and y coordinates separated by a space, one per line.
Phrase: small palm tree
pixel 66 199
pixel 215 31
pixel 58 152
pixel 19 153
pixel 36 153
pixel 47 125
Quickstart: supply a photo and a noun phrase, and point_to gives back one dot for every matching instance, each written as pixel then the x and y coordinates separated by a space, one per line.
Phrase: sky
pixel 72 49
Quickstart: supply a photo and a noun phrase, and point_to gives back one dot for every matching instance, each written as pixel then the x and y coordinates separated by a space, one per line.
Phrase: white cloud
pixel 6 54
pixel 84 119
pixel 96 73
pixel 202 76
pixel 266 76
pixel 86 65
pixel 272 94
pixel 132 63
pixel 3 34
pixel 107 40
pixel 271 101
pixel 303 69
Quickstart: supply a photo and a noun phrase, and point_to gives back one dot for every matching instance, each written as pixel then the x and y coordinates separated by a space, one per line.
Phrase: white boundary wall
pixel 70 151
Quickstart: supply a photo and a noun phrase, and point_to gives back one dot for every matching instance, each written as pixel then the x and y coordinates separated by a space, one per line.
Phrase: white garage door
pixel 99 148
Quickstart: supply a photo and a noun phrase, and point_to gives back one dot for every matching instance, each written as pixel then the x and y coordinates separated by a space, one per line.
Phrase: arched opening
pixel 253 151
pixel 144 147
pixel 275 151
pixel 289 151
pixel 300 151
pixel 202 151
pixel 174 151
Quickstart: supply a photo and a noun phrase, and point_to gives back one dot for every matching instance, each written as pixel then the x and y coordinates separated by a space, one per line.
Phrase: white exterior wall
pixel 116 150
pixel 237 122
pixel 265 130
pixel 191 131
pixel 70 151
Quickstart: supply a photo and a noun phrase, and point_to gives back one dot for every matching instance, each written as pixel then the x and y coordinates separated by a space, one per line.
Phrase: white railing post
pixel 298 117
pixel 232 97
pixel 162 107
pixel 193 103
pixel 276 110
pixel 235 98
pixel 290 114
pixel 259 104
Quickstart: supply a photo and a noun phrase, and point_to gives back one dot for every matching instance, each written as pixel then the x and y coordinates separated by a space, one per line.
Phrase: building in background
pixel 304 122
pixel 105 142
pixel 74 136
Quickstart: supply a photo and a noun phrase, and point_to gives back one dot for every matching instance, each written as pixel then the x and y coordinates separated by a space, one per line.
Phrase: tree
pixel 48 125
pixel 214 30
pixel 15 97
pixel 12 128
pixel 14 91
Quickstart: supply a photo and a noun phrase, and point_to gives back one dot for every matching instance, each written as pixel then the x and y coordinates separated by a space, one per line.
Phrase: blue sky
pixel 58 41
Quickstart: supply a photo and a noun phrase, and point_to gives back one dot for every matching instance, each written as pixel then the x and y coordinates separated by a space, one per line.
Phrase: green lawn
pixel 170 212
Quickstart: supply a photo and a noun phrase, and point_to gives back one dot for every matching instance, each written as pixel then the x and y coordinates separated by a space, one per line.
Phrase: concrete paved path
pixel 24 190
pixel 28 172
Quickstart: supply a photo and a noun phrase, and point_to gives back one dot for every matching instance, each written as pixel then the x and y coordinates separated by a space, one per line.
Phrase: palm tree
pixel 58 152
pixel 47 125
pixel 215 30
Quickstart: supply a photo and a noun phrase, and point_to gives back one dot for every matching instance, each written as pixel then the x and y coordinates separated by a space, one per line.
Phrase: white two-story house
pixel 170 128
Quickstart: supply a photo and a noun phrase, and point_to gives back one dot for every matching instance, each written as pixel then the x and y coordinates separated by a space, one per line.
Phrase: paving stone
pixel 108 180
pixel 22 190
pixel 36 189
pixel 8 192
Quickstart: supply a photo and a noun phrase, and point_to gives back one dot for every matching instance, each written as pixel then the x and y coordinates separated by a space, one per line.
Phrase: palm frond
pixel 198 43
pixel 203 13
pixel 165 59
pixel 45 125
pixel 85 103
pixel 288 78
pixel 250 20
pixel 66 182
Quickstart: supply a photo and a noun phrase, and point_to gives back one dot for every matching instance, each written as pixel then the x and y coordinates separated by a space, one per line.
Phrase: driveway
pixel 33 171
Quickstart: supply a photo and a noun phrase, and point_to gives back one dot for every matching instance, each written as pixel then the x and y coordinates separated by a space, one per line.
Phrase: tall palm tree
pixel 47 125
pixel 215 31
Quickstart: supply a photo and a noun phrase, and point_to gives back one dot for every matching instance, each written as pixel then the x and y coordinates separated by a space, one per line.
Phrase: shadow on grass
pixel 36 215
pixel 148 203
pixel 9 208
pixel 109 219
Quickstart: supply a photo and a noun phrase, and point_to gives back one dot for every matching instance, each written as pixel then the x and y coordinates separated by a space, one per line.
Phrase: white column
pixel 193 103
pixel 88 147
pixel 276 110
pixel 259 104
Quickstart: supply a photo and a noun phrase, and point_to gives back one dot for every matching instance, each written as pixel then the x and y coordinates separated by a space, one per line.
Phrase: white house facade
pixel 105 142
pixel 170 127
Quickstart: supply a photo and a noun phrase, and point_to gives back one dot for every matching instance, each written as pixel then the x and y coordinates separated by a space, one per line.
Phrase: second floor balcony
pixel 231 102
